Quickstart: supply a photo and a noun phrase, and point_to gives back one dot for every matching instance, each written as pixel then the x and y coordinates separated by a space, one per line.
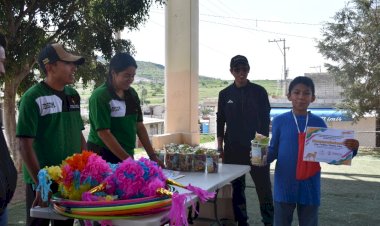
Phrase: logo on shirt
pixel 74 104
pixel 49 104
pixel 230 102
pixel 118 108
pixel 115 109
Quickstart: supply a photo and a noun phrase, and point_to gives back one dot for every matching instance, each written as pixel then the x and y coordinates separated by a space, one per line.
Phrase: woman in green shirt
pixel 115 114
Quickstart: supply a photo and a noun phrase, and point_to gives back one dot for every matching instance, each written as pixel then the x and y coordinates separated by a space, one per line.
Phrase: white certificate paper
pixel 326 145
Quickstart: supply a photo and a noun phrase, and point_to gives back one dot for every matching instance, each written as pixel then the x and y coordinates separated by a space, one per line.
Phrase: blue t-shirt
pixel 284 148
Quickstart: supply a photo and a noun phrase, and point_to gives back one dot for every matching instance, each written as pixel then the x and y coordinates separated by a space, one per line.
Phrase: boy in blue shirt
pixel 291 189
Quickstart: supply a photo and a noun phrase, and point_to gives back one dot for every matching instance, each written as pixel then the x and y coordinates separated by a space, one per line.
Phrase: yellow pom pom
pixel 54 172
pixel 77 194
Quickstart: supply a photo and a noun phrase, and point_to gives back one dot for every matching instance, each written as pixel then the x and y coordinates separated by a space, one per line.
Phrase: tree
pixel 144 93
pixel 87 26
pixel 352 43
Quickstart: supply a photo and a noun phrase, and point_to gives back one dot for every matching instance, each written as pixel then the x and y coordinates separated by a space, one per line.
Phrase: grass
pixel 154 92
pixel 206 138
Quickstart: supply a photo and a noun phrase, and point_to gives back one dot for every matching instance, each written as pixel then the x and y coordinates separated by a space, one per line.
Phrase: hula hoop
pixel 127 212
pixel 75 203
pixel 98 217
pixel 120 207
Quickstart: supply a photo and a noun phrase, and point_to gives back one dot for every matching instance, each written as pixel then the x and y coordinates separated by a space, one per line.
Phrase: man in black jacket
pixel 8 173
pixel 243 108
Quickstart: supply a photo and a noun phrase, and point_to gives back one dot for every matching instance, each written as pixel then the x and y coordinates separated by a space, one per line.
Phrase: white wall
pixel 364 130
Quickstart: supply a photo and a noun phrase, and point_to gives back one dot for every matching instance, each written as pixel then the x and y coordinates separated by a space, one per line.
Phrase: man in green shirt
pixel 49 124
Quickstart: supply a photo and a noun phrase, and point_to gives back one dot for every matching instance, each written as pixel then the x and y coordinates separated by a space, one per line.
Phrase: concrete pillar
pixel 181 73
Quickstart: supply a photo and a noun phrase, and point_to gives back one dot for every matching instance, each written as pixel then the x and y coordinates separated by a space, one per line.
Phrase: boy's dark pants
pixel 261 178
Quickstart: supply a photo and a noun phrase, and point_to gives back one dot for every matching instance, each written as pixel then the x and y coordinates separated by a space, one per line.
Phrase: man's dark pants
pixel 261 179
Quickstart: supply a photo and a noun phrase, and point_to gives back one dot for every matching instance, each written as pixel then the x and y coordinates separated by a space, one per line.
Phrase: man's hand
pixel 39 202
pixel 221 153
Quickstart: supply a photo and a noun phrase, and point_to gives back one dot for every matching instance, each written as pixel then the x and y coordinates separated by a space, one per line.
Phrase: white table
pixel 206 181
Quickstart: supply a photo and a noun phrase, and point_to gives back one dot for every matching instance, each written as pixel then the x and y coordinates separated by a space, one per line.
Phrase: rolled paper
pixel 163 191
pixel 100 187
pixel 175 183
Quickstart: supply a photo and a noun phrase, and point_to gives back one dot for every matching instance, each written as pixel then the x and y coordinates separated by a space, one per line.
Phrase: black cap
pixel 55 52
pixel 238 59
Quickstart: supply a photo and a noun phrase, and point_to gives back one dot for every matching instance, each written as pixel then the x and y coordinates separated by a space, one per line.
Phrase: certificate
pixel 326 145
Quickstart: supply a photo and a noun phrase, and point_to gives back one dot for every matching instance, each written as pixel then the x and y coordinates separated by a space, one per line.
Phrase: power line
pixel 232 24
pixel 226 11
pixel 249 19
pixel 258 30
pixel 213 12
pixel 258 20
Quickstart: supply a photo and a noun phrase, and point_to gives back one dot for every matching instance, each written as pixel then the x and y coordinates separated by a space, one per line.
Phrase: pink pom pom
pixel 87 196
pixel 151 187
pixel 127 180
pixel 66 170
pixel 177 212
pixel 156 178
pixel 106 223
pixel 96 169
pixel 88 223
pixel 155 171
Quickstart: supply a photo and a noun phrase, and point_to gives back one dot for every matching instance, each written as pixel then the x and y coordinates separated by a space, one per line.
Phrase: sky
pixel 250 28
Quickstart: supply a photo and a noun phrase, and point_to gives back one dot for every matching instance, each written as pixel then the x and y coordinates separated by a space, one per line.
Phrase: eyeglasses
pixel 241 69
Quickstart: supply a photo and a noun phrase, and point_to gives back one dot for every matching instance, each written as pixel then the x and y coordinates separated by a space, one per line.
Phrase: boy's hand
pixel 264 161
pixel 221 153
pixel 351 144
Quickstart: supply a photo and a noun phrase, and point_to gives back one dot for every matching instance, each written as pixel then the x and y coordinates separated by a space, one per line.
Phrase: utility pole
pixel 283 51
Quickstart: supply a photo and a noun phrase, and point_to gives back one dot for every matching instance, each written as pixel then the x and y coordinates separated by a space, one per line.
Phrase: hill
pixel 155 72
pixel 149 83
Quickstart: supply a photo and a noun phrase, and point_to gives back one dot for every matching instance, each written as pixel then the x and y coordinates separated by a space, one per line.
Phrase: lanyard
pixel 295 119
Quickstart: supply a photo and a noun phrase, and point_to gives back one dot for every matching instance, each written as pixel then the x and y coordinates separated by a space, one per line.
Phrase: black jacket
pixel 244 111
pixel 8 174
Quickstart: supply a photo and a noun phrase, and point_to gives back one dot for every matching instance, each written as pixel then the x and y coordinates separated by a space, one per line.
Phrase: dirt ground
pixel 350 195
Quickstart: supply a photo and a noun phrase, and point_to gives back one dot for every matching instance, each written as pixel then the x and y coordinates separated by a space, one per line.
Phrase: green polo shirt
pixel 120 116
pixel 53 119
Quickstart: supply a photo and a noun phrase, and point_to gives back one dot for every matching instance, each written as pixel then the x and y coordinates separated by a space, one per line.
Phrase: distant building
pixel 154 126
pixel 328 95
pixel 326 87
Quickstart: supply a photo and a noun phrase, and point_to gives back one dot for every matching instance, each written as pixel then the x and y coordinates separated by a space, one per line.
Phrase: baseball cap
pixel 238 59
pixel 55 52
